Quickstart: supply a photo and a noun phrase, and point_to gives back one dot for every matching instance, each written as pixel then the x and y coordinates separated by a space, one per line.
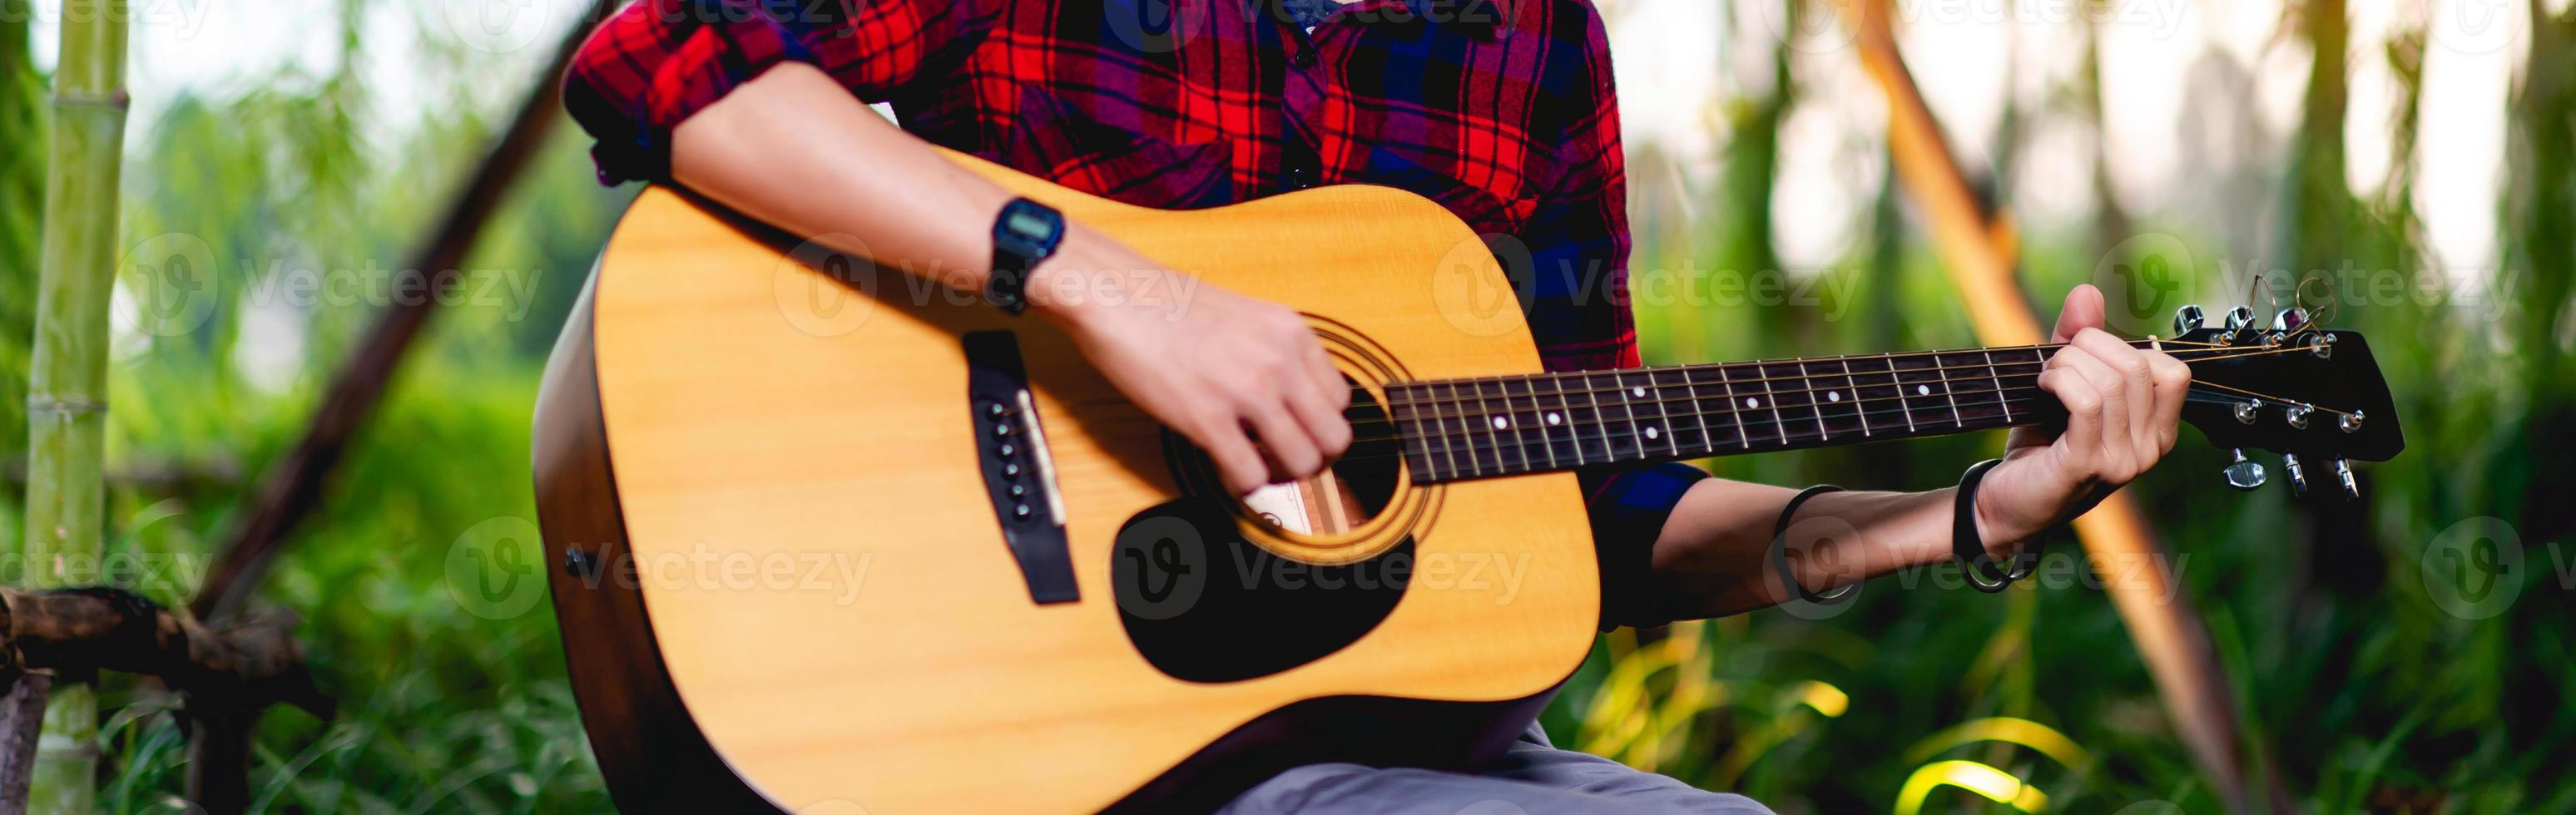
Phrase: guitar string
pixel 2213 354
pixel 1611 455
pixel 1997 375
pixel 1464 410
pixel 1937 367
pixel 1608 428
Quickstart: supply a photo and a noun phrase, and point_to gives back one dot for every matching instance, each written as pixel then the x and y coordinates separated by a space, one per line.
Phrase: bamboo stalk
pixel 1980 262
pixel 67 395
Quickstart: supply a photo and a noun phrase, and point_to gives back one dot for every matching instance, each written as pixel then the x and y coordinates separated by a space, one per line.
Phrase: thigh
pixel 1524 785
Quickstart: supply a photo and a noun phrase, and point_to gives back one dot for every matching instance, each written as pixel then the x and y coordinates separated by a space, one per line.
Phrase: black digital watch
pixel 1025 233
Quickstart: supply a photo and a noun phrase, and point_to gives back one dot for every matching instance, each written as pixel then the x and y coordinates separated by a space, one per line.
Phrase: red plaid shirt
pixel 1501 110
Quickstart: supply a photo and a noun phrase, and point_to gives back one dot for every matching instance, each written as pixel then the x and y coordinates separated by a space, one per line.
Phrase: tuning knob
pixel 2290 320
pixel 2298 474
pixel 2247 411
pixel 2350 423
pixel 2239 320
pixel 2187 319
pixel 2243 473
pixel 2298 415
pixel 2343 476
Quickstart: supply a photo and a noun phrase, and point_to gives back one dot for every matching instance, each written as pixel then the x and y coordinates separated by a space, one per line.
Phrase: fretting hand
pixel 2123 405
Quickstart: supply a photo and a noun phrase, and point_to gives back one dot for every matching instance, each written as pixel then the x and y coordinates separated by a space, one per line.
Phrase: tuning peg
pixel 2239 320
pixel 2243 473
pixel 2298 474
pixel 2247 411
pixel 2350 422
pixel 2343 476
pixel 2187 319
pixel 2290 320
pixel 2298 415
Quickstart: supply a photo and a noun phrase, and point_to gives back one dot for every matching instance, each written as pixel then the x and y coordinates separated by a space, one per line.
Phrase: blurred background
pixel 2409 652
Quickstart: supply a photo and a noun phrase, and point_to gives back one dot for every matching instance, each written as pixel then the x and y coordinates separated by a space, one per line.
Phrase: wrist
pixel 2001 539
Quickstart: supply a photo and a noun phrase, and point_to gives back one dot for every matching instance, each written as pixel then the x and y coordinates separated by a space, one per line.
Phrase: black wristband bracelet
pixel 1970 550
pixel 1780 553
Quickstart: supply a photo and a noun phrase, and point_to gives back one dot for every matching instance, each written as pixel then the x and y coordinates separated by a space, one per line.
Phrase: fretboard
pixel 1457 429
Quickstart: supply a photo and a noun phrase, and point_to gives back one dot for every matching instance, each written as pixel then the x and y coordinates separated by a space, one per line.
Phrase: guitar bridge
pixel 1019 474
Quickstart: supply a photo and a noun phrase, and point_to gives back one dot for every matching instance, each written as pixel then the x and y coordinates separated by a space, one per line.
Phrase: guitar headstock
pixel 2314 396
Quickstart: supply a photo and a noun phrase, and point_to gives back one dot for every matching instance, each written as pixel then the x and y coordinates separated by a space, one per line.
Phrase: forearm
pixel 1713 556
pixel 794 149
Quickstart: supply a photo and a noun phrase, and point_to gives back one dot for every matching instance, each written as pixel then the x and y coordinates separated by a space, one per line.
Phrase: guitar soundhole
pixel 1347 495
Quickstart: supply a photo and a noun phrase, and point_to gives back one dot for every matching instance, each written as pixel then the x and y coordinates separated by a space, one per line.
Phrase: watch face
pixel 1029 224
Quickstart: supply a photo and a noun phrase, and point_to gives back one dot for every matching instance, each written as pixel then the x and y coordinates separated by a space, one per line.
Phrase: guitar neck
pixel 1457 429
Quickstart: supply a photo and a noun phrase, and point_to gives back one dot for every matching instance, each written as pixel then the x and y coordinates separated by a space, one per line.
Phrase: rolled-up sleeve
pixel 658 62
pixel 1628 508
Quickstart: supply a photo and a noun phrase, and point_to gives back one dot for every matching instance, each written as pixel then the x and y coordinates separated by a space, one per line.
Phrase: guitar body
pixel 779 552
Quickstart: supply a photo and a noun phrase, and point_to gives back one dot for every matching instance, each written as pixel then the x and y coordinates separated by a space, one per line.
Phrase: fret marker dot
pixel 1833 396
pixel 1554 420
pixel 1922 390
pixel 1501 422
pixel 1752 402
pixel 1651 433
pixel 1638 392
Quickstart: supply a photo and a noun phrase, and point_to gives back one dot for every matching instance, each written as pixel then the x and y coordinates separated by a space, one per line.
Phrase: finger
pixel 2173 387
pixel 2065 379
pixel 1284 440
pixel 1238 462
pixel 2138 387
pixel 2083 310
pixel 1317 407
pixel 2110 439
pixel 1337 393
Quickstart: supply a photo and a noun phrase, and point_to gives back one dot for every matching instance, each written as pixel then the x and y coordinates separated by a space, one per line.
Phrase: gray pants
pixel 1533 778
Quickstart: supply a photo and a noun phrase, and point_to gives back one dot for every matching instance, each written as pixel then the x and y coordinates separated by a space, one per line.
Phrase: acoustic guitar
pixel 823 540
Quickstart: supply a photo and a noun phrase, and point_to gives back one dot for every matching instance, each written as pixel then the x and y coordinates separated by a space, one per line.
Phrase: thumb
pixel 2083 310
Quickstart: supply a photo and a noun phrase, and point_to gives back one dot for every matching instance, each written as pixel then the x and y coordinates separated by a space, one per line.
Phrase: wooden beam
pixel 2169 633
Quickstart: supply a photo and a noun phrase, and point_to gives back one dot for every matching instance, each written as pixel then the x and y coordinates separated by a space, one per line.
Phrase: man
pixel 1502 111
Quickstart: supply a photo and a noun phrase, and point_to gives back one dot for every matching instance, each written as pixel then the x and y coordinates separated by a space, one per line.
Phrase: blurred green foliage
pixel 2357 687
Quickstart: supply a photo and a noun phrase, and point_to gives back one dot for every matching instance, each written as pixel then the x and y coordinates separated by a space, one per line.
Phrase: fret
pixel 1558 419
pixel 1594 419
pixel 1627 408
pixel 1771 401
pixel 1661 428
pixel 1924 391
pixel 1524 423
pixel 1974 399
pixel 1791 403
pixel 1742 439
pixel 1481 459
pixel 1880 388
pixel 2003 396
pixel 1495 423
pixel 1836 406
pixel 1680 396
pixel 1858 405
pixel 1948 391
pixel 1407 410
pixel 1426 426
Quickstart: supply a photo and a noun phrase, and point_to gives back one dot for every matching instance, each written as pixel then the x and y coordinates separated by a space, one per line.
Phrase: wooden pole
pixel 2168 633
pixel 67 394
